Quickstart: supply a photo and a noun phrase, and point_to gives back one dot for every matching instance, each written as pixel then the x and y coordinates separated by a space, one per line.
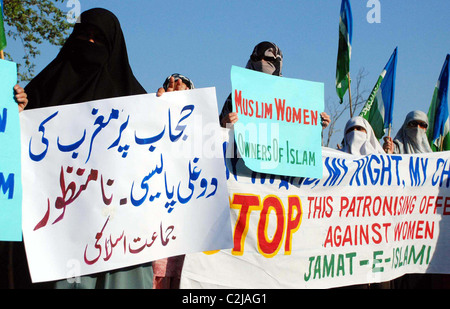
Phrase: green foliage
pixel 34 22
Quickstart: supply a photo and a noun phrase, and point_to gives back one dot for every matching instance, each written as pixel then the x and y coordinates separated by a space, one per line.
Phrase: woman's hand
pixel 388 145
pixel 324 120
pixel 229 120
pixel 20 97
pixel 173 86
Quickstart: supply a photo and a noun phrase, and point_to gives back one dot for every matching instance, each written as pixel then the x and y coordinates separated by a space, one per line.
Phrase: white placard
pixel 120 182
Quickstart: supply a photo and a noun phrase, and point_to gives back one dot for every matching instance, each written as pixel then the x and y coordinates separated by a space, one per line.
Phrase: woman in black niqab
pixel 92 65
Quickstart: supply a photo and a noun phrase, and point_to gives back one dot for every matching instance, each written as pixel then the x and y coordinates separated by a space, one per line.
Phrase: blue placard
pixel 279 129
pixel 10 167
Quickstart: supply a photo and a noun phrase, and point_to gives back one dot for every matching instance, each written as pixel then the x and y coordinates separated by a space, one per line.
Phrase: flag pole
pixel 350 95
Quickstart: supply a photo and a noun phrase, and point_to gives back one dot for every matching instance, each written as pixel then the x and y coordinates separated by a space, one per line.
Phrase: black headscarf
pixel 177 76
pixel 85 71
pixel 272 65
pixel 82 72
pixel 272 55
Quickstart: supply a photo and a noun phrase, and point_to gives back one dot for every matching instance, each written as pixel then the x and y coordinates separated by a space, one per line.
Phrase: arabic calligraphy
pixel 175 134
pixel 180 197
pixel 3 120
pixel 105 244
pixel 144 190
pixel 122 181
pixel 70 193
pixel 194 175
pixel 44 140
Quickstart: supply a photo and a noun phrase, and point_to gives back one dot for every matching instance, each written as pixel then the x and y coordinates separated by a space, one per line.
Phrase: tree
pixel 34 22
pixel 336 110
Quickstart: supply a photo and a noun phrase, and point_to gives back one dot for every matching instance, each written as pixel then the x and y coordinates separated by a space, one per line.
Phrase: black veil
pixel 84 71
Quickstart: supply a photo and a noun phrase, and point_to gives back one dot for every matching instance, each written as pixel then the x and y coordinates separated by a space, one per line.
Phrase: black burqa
pixel 85 71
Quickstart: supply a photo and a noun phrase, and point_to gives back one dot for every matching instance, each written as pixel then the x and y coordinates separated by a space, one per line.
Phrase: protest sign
pixel 10 182
pixel 279 129
pixel 123 181
pixel 369 219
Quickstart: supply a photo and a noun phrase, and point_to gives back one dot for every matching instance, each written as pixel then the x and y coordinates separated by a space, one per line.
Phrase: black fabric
pixel 273 63
pixel 81 72
pixel 177 76
pixel 85 71
pixel 271 53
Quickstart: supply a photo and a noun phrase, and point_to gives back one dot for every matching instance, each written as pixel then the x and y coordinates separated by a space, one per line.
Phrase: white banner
pixel 369 219
pixel 120 182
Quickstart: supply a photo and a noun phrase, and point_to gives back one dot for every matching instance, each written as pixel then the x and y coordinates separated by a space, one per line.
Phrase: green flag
pixel 379 107
pixel 2 28
pixel 345 49
pixel 438 115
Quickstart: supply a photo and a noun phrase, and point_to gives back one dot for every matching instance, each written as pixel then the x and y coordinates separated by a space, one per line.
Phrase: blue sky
pixel 202 39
